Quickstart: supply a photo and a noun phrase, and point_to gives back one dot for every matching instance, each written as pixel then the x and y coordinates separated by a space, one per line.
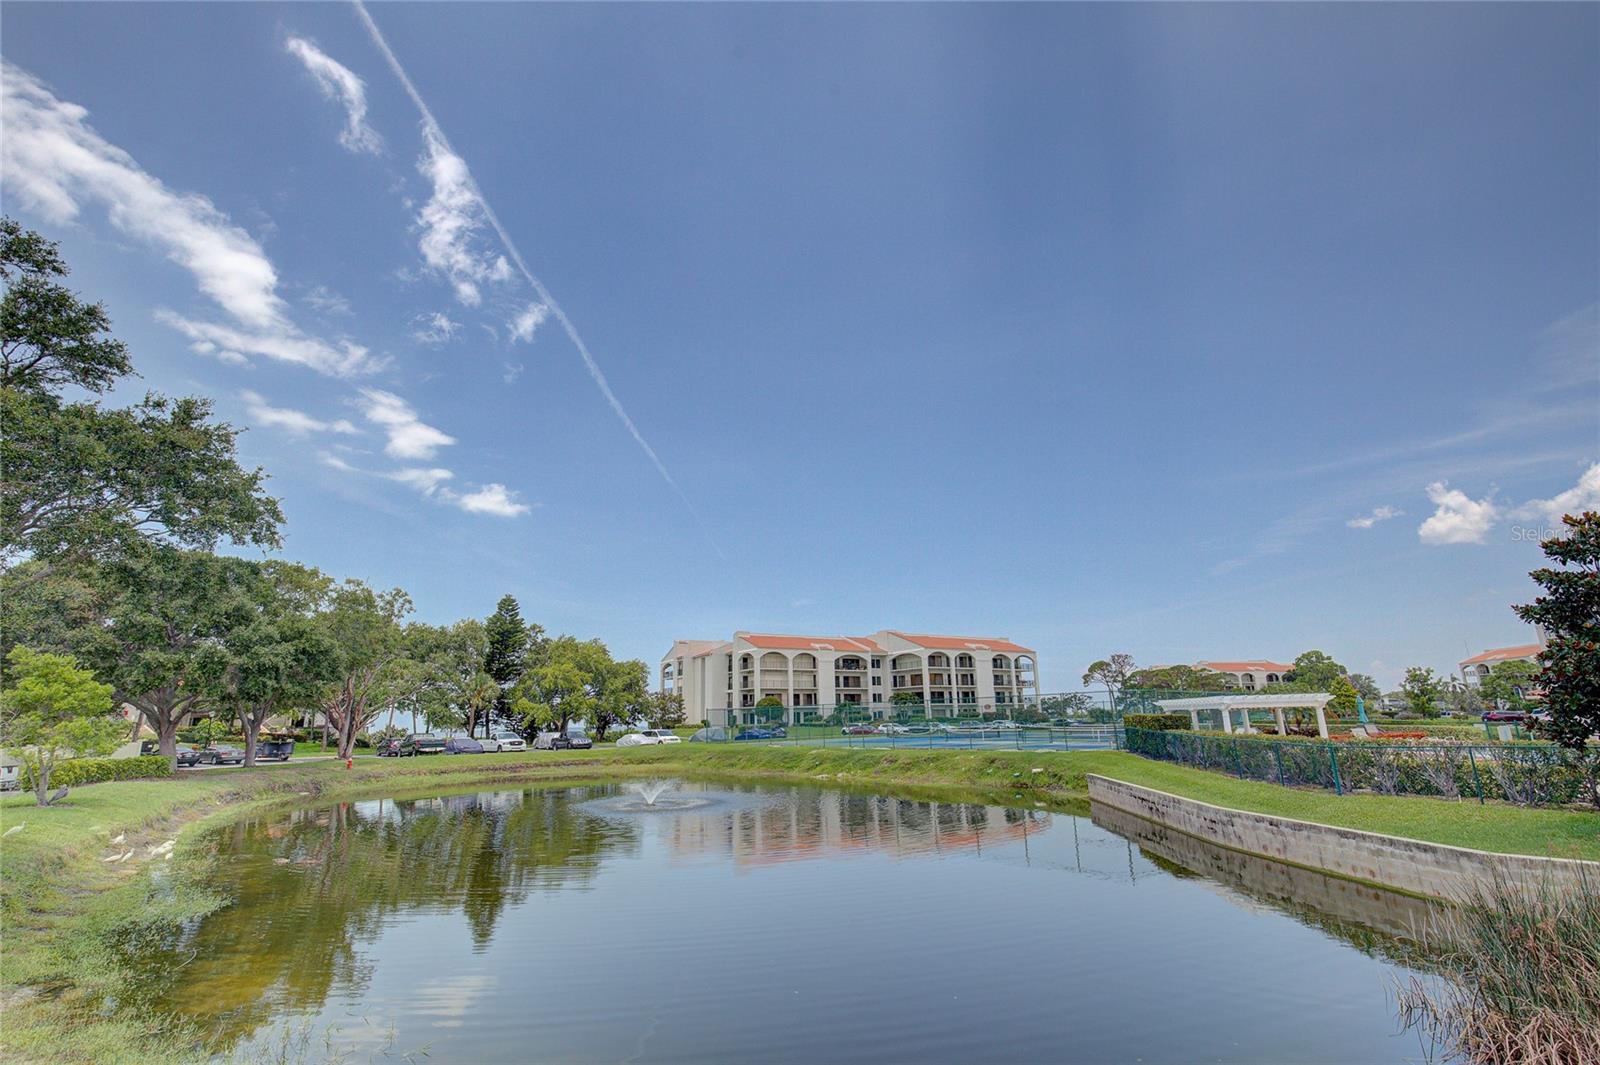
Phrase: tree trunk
pixel 252 734
pixel 41 782
pixel 166 726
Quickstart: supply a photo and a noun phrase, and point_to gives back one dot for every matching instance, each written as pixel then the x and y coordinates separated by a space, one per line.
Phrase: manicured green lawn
pixel 1462 823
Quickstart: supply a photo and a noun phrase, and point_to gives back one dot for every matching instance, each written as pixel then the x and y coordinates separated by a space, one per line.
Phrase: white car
pixel 649 737
pixel 504 741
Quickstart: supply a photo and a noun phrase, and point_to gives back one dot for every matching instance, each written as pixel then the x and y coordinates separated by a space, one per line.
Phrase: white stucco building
pixel 721 681
pixel 1474 669
pixel 1251 674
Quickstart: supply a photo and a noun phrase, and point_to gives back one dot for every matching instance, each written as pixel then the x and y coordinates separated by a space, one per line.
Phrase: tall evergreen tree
pixel 506 657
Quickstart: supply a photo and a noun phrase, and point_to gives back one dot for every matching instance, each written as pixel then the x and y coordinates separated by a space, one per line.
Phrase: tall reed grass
pixel 1520 977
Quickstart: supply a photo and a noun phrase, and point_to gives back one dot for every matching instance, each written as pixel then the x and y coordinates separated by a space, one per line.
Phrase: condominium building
pixel 1249 675
pixel 1474 669
pixel 721 681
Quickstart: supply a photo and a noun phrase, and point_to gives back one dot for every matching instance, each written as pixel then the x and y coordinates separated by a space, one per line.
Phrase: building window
pixel 877 682
pixel 877 663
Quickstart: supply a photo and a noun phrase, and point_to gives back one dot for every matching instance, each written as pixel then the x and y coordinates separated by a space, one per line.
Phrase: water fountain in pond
pixel 652 791
pixel 661 797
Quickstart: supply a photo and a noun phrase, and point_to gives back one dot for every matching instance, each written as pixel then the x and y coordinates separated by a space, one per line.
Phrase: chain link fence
pixel 1527 774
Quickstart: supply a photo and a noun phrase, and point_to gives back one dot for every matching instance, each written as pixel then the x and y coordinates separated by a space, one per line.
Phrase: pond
pixel 580 924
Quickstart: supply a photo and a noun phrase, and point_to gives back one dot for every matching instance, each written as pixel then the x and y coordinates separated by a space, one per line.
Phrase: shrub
pixel 1157 722
pixel 75 772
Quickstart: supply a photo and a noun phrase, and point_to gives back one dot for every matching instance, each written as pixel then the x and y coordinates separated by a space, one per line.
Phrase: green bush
pixel 75 772
pixel 1157 722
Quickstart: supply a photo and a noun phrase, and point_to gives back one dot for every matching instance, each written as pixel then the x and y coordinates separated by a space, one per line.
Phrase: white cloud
pixel 227 355
pixel 493 499
pixel 436 328
pixel 511 371
pixel 430 482
pixel 340 84
pixel 1459 519
pixel 324 299
pixel 1585 495
pixel 1367 521
pixel 294 422
pixel 524 324
pixel 328 458
pixel 409 436
pixel 344 359
pixel 54 163
pixel 54 160
pixel 452 222
pixel 426 481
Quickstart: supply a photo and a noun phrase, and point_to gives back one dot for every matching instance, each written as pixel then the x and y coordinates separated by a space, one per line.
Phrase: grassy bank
pixel 64 906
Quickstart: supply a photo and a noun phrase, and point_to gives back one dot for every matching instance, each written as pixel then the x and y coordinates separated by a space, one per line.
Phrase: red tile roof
pixel 963 643
pixel 808 643
pixel 1504 654
pixel 1255 665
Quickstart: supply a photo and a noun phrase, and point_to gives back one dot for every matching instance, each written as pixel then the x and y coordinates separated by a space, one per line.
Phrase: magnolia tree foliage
pixel 50 709
pixel 1569 611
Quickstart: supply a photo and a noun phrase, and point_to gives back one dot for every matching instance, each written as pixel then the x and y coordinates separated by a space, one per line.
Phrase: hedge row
pixel 1157 722
pixel 1525 774
pixel 78 771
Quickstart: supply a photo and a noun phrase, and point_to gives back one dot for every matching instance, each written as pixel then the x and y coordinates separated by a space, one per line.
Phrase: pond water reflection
pixel 777 924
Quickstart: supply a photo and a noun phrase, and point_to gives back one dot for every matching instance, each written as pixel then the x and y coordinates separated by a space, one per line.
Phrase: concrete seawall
pixel 1432 870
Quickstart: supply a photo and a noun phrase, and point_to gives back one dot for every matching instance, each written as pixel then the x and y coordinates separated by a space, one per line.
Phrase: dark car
pixel 274 749
pixel 462 745
pixel 858 730
pixel 571 740
pixel 420 744
pixel 189 757
pixel 1504 715
pixel 224 755
pixel 762 733
pixel 389 748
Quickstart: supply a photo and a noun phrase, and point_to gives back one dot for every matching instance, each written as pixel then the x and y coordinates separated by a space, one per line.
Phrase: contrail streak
pixel 432 127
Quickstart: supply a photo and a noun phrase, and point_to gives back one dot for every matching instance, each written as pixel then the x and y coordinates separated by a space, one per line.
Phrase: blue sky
pixel 1188 331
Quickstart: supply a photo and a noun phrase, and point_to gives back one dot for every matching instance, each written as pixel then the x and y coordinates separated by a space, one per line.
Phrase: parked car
pixel 649 737
pixel 420 743
pixel 1504 715
pixel 969 726
pixel 760 732
pixel 189 757
pixel 462 745
pixel 572 739
pixel 708 734
pixel 1003 723
pixel 858 730
pixel 224 755
pixel 274 749
pixel 505 741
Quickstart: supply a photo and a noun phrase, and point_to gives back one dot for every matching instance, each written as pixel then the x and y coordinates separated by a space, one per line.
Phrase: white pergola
pixel 1226 704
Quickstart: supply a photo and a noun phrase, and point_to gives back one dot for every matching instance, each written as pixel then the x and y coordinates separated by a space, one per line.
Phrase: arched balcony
pixel 906 672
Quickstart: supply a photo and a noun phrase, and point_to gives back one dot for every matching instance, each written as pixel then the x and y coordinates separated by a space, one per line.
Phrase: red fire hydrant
pixel 349 763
